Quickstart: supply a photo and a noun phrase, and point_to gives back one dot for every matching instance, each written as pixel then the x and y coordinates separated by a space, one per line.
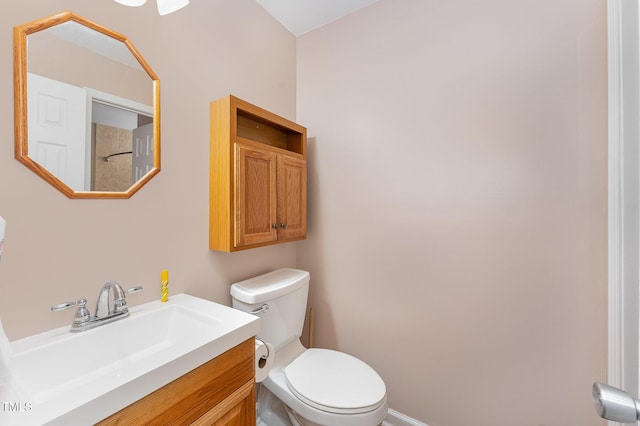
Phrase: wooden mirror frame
pixel 20 34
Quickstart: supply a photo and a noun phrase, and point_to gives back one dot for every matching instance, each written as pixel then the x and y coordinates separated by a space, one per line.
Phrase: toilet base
pixel 270 410
pixel 273 412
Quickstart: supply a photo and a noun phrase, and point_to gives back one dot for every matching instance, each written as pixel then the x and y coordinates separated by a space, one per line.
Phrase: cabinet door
pixel 255 196
pixel 292 197
pixel 239 409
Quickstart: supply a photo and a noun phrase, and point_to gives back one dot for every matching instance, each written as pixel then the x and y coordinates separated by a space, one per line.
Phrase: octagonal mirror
pixel 87 108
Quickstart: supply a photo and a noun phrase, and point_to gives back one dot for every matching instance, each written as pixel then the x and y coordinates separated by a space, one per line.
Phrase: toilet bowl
pixel 306 386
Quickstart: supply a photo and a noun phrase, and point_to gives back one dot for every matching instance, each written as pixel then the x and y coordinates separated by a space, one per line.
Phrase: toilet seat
pixel 335 382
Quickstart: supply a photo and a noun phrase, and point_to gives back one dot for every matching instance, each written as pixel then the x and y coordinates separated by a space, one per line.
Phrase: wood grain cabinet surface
pixel 258 177
pixel 220 392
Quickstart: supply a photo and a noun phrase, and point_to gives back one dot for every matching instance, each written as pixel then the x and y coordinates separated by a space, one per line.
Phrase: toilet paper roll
pixel 263 359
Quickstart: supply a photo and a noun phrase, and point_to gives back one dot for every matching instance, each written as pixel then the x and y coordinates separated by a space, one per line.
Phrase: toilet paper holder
pixel 263 359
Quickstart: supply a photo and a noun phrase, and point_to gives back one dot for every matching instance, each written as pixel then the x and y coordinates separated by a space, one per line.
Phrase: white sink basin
pixel 80 378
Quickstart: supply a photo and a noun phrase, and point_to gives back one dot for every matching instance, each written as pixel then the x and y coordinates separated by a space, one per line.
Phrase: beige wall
pixel 457 204
pixel 457 193
pixel 59 249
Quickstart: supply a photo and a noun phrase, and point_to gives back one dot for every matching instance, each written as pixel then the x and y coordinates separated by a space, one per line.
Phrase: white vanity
pixel 186 361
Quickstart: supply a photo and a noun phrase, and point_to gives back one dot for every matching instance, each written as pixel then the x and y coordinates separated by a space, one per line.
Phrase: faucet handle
pixel 120 304
pixel 82 314
pixel 63 306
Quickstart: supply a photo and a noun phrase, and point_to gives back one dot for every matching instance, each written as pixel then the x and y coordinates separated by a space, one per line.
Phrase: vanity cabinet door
pixel 237 410
pixel 255 211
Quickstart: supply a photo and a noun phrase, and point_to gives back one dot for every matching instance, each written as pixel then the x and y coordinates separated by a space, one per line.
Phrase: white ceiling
pixel 301 16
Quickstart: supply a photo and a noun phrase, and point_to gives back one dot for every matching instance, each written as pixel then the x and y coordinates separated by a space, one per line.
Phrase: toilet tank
pixel 283 293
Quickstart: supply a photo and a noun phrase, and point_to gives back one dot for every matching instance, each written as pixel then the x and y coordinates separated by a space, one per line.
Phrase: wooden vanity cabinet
pixel 258 177
pixel 220 392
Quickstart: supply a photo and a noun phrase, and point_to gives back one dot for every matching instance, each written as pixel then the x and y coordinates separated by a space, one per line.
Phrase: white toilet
pixel 305 386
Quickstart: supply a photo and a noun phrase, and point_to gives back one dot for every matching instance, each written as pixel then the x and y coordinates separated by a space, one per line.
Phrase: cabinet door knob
pixel 275 226
pixel 283 225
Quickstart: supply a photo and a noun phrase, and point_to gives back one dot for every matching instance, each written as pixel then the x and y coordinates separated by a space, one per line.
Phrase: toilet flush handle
pixel 263 308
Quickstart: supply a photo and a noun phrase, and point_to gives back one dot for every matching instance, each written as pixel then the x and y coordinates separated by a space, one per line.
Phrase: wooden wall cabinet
pixel 258 177
pixel 220 392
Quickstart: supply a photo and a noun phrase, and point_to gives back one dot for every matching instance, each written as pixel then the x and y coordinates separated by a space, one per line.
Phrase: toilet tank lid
pixel 269 286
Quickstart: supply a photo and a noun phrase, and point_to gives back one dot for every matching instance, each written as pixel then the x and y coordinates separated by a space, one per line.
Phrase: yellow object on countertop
pixel 164 285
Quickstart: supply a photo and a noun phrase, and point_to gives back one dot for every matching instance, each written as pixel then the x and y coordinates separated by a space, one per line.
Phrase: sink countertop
pixel 62 378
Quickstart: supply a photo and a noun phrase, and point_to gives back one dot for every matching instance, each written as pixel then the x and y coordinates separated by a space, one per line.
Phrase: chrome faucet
pixel 106 312
pixel 103 307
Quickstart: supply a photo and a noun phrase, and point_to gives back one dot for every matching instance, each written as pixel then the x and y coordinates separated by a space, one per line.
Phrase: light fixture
pixel 165 7
pixel 131 2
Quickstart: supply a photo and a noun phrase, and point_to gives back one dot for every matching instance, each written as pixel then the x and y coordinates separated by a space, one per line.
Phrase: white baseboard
pixel 395 418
